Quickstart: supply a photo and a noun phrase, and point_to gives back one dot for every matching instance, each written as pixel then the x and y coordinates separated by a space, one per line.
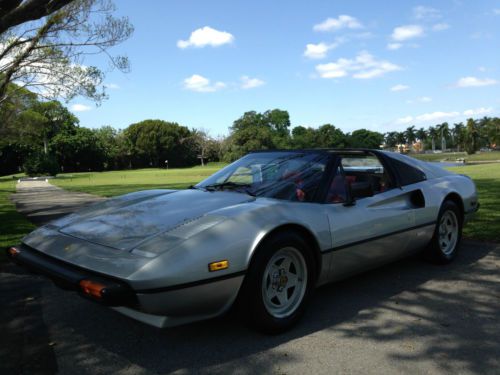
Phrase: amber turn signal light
pixel 217 266
pixel 13 251
pixel 92 288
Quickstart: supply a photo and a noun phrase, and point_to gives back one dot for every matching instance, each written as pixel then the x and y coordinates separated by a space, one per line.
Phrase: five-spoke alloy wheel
pixel 284 282
pixel 278 283
pixel 447 235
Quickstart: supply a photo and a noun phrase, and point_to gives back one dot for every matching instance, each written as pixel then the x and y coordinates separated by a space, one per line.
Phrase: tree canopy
pixel 43 45
pixel 51 137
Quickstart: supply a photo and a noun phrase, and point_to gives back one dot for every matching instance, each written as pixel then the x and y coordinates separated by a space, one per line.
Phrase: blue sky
pixel 377 65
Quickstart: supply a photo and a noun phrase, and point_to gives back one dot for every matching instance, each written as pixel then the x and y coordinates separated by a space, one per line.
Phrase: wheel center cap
pixel 283 280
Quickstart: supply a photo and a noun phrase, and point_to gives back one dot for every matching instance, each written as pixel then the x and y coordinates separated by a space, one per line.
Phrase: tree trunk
pixel 13 13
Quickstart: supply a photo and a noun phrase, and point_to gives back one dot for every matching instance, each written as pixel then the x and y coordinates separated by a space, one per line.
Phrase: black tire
pixel 437 252
pixel 251 301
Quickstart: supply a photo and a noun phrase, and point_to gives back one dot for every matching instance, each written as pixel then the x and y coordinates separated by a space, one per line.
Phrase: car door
pixel 371 230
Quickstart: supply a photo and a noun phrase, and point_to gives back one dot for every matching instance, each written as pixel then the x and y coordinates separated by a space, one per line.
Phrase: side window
pixel 408 174
pixel 337 192
pixel 366 170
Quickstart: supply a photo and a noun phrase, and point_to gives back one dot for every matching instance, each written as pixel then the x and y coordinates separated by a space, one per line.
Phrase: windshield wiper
pixel 194 187
pixel 230 184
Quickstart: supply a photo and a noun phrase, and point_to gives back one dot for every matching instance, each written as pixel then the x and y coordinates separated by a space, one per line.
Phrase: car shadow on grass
pixel 452 312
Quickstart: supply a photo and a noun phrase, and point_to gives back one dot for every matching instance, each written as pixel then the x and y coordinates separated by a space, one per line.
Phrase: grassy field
pixel 108 184
pixel 452 156
pixel 13 225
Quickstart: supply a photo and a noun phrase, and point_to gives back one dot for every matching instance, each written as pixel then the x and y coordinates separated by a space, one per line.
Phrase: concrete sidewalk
pixel 42 202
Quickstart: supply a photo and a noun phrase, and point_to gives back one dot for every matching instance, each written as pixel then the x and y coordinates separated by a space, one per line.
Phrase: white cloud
pixel 363 66
pixel 201 84
pixel 440 26
pixel 394 46
pixel 404 120
pixel 399 87
pixel 475 82
pixel 206 36
pixel 439 116
pixel 426 13
pixel 112 86
pixel 402 33
pixel 342 22
pixel 250 83
pixel 482 69
pixel 496 11
pixel 436 116
pixel 318 51
pixel 478 111
pixel 80 108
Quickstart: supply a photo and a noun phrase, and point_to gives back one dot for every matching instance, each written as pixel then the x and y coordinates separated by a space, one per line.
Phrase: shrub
pixel 41 165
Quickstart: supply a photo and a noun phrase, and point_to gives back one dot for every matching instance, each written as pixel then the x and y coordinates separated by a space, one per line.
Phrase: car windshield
pixel 293 176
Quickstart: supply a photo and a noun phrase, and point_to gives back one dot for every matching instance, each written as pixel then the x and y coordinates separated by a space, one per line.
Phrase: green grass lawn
pixel 452 156
pixel 112 183
pixel 486 223
pixel 13 226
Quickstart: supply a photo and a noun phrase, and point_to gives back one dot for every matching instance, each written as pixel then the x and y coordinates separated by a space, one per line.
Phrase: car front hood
pixel 132 222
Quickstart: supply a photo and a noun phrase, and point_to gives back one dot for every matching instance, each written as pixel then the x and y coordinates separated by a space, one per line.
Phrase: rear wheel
pixel 278 284
pixel 447 235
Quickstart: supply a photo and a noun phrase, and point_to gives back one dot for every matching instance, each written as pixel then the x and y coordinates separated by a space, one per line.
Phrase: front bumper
pixel 160 307
pixel 110 292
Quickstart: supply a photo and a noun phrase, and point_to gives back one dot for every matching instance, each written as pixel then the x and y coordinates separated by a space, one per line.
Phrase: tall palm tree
pixel 390 139
pixel 422 136
pixel 457 134
pixel 433 133
pixel 401 140
pixel 410 135
pixel 472 137
pixel 444 129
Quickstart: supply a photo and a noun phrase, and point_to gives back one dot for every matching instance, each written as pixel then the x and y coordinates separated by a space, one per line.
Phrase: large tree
pixel 44 45
pixel 155 141
pixel 363 138
pixel 78 150
pixel 44 120
pixel 328 135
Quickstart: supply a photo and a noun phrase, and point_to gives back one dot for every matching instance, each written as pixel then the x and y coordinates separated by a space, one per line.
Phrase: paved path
pixel 42 202
pixel 407 317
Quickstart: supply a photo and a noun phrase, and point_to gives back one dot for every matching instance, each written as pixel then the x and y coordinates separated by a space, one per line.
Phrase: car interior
pixel 363 174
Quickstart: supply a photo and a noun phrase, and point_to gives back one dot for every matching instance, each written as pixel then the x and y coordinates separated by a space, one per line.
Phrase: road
pixel 407 317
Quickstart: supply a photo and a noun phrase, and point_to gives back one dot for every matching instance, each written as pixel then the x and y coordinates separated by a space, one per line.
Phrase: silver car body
pixel 160 242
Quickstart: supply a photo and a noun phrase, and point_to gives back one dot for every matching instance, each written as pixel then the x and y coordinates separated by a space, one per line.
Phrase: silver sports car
pixel 259 234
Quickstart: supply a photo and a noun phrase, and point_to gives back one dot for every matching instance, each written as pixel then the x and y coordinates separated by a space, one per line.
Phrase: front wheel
pixel 278 284
pixel 447 235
